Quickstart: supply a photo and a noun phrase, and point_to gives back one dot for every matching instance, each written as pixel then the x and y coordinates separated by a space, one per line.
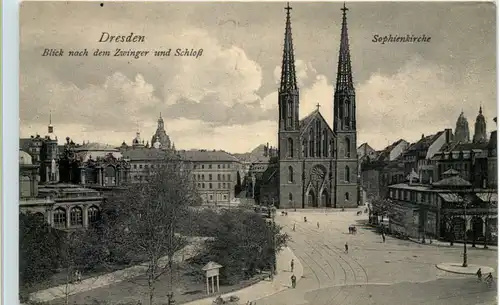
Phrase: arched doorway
pixel 477 227
pixel 311 199
pixel 325 200
pixel 110 176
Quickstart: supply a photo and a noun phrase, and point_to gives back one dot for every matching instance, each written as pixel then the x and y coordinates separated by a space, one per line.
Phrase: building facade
pixel 448 209
pixel 215 173
pixel 63 206
pixel 318 164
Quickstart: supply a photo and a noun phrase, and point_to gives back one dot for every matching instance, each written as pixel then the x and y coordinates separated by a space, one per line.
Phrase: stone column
pixel 68 217
pixel 85 216
pixel 99 176
pixel 47 176
pixel 208 287
pixel 213 288
pixel 82 175
pixel 217 283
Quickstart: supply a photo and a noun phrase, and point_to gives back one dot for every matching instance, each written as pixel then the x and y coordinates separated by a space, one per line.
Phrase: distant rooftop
pixel 207 155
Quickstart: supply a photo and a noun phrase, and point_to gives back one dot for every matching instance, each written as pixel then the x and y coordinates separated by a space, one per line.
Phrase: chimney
pixel 448 135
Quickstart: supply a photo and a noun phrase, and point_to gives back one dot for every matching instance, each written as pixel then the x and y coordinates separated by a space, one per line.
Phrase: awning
pixel 451 197
pixel 488 197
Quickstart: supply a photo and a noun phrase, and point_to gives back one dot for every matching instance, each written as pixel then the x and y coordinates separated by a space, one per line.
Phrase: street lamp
pixel 465 234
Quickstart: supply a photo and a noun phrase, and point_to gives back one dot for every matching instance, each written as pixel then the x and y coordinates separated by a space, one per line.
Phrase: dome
pixel 25 158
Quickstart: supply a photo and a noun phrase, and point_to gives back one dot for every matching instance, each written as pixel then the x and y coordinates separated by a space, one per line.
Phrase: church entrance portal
pixel 325 202
pixel 311 199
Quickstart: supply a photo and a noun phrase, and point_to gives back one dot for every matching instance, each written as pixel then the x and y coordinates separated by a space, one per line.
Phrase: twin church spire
pixel 344 104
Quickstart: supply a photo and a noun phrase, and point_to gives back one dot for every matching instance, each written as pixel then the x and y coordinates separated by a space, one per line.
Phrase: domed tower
pixel 480 128
pixel 137 142
pixel 462 133
pixel 161 135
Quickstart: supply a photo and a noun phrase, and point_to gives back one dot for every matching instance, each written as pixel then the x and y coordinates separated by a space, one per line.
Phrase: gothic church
pixel 318 164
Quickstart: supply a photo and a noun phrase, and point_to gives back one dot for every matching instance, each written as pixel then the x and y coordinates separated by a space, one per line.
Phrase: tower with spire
pixel 480 128
pixel 311 173
pixel 344 125
pixel 462 133
pixel 50 155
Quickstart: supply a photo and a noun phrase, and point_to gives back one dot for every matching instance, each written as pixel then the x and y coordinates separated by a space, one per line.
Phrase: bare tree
pixel 144 220
pixel 383 207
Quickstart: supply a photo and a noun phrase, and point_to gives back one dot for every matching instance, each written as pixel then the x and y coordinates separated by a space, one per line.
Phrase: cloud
pixel 421 98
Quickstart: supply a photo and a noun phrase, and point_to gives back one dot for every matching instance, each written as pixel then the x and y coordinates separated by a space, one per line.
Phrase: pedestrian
pixel 291 266
pixel 346 248
pixel 293 228
pixel 305 219
pixel 78 276
pixel 317 224
pixel 383 237
pixel 479 274
pixel 489 279
pixel 294 280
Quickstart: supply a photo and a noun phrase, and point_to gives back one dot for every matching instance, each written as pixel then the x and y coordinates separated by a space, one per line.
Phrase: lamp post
pixel 465 235
pixel 273 214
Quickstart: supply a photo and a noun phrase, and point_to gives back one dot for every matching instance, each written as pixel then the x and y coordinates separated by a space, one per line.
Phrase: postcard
pixel 260 153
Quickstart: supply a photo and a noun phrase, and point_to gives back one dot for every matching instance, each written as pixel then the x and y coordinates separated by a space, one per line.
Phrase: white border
pixel 10 140
pixel 10 145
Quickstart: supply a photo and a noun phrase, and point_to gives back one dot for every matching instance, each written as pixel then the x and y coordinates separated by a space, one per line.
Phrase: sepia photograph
pixel 257 153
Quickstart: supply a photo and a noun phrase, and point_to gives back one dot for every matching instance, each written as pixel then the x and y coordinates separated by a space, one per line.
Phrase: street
pixel 373 272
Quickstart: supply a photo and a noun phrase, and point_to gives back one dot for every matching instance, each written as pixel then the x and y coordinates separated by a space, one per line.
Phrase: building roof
pixel 493 139
pixel 307 120
pixel 207 155
pixel 425 142
pixel 451 172
pixel 95 147
pixel 24 144
pixel 269 173
pixel 454 181
pixel 142 153
pixel 386 152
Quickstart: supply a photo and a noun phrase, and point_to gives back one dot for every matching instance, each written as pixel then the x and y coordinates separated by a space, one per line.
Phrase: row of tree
pixel 150 223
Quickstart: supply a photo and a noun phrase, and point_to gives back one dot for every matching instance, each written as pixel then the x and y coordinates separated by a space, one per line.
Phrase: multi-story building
pixel 366 152
pixel 385 169
pixel 417 158
pixel 215 173
pixel 438 209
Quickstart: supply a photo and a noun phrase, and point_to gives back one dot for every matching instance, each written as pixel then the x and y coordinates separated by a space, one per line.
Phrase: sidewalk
pixel 446 244
pixel 265 288
pixel 107 279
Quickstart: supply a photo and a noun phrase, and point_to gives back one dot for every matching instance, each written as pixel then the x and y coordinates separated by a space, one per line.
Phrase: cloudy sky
pixel 227 98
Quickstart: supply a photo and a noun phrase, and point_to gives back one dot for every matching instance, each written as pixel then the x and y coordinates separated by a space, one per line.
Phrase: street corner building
pixel 317 164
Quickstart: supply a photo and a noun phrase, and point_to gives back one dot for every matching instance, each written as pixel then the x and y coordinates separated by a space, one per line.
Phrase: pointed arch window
pixel 347 174
pixel 311 143
pixel 346 196
pixel 304 148
pixel 347 113
pixel 289 108
pixel 290 174
pixel 289 148
pixel 324 140
pixel 347 147
pixel 318 138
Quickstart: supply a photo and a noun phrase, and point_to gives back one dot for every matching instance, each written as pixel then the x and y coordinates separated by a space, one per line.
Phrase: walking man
pixel 291 266
pixel 479 274
pixel 317 224
pixel 293 228
pixel 383 237
pixel 346 248
pixel 294 280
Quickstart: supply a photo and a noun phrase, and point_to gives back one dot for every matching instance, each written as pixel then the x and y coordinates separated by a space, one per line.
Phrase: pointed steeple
pixel 288 77
pixel 344 72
